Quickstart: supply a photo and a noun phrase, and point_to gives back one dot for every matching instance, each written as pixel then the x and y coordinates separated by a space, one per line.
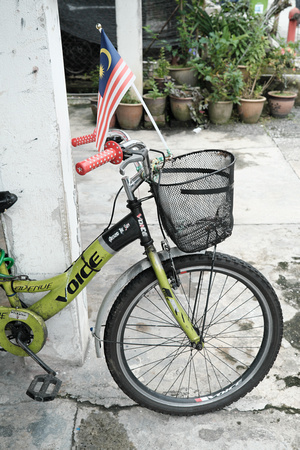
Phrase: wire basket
pixel 194 195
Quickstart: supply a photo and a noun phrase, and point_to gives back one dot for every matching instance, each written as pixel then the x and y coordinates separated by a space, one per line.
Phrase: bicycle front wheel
pixel 152 360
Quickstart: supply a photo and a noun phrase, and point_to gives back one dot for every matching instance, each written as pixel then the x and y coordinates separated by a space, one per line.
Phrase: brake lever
pixel 131 159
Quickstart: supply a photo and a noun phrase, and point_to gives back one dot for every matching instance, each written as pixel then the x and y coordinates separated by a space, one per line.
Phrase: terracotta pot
pixel 250 109
pixel 220 112
pixel 184 75
pixel 129 115
pixel 149 68
pixel 180 107
pixel 161 82
pixel 157 105
pixel 281 103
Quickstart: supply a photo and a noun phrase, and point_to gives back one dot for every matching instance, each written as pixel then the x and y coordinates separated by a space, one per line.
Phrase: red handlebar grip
pixel 84 139
pixel 119 153
pixel 112 153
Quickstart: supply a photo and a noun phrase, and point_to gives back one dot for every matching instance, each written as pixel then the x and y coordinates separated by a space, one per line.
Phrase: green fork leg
pixel 176 309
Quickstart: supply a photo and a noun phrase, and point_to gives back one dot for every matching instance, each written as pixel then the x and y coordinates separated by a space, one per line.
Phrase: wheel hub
pixel 199 345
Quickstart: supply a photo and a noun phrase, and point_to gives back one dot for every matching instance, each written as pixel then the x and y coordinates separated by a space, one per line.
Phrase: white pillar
pixel 41 229
pixel 130 37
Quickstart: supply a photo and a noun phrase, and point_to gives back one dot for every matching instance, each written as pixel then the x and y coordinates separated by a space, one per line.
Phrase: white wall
pixel 41 229
pixel 130 37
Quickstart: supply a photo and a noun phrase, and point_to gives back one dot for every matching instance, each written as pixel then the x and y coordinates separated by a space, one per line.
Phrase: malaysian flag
pixel 115 78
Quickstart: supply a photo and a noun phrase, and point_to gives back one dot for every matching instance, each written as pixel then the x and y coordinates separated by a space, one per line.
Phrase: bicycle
pixel 190 330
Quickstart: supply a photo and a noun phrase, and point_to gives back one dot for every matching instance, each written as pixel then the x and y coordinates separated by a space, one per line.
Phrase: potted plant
pixel 185 48
pixel 234 20
pixel 252 101
pixel 281 103
pixel 223 80
pixel 181 99
pixel 280 60
pixel 225 90
pixel 129 112
pixel 161 71
pixel 234 33
pixel 156 103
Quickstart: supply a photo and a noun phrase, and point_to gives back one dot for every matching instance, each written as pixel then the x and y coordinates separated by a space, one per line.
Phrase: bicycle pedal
pixel 44 388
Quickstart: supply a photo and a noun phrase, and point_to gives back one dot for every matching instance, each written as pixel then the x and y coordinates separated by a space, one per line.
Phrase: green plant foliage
pixel 231 36
pixel 94 76
pixel 236 20
pixel 198 108
pixel 224 80
pixel 215 43
pixel 280 58
pixel 226 85
pixel 177 91
pixel 163 65
pixel 201 22
pixel 187 31
pixel 129 99
pixel 256 62
pixel 154 91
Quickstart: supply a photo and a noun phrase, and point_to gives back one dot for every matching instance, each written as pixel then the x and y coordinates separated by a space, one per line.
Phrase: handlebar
pixel 112 153
pixel 113 134
pixel 119 147
pixel 84 139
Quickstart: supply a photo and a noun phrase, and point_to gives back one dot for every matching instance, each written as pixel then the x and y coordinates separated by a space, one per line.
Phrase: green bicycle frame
pixel 63 288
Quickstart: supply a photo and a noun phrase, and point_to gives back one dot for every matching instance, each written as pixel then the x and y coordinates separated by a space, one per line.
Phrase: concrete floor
pixel 91 412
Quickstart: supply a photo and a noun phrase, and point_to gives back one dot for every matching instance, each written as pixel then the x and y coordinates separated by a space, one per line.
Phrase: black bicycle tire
pixel 224 265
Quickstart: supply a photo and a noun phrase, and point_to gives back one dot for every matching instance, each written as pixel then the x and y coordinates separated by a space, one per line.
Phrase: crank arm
pixel 34 356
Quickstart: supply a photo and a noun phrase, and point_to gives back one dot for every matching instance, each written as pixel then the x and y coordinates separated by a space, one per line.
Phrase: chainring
pixel 31 325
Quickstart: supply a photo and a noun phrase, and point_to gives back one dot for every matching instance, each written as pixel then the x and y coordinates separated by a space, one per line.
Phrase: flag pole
pixel 151 118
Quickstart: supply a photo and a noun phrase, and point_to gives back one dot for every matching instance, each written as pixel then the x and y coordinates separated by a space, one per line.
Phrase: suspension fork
pixel 178 312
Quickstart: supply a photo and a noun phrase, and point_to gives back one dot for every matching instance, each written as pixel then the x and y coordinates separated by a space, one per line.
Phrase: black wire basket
pixel 194 196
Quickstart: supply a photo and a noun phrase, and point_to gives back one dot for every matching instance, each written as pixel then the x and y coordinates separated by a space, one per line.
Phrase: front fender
pixel 118 286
